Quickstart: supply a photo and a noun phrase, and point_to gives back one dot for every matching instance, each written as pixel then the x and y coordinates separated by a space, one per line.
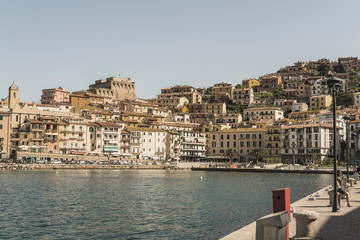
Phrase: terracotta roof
pixel 323 125
pixel 231 130
pixel 108 124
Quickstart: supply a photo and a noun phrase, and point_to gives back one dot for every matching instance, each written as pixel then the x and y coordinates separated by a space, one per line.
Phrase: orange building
pixel 84 98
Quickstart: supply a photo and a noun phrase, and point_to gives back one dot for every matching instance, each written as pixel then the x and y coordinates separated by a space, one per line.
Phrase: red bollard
pixel 281 202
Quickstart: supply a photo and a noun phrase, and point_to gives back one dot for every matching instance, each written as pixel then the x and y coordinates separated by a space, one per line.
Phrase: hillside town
pixel 285 116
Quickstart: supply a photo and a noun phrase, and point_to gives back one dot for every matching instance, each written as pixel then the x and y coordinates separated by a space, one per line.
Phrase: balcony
pixel 37 130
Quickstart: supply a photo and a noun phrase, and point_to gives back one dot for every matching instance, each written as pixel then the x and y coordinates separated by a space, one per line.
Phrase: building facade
pixel 55 95
pixel 115 88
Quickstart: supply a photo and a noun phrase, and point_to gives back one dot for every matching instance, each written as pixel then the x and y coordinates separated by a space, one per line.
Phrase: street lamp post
pixel 355 135
pixel 334 89
pixel 347 122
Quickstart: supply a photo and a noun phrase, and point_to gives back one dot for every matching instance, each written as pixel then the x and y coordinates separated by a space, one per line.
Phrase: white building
pixel 299 107
pixel 260 113
pixel 306 142
pixel 193 146
pixel 104 138
pixel 245 96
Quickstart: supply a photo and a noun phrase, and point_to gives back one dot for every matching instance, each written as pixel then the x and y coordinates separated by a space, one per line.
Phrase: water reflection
pixel 139 204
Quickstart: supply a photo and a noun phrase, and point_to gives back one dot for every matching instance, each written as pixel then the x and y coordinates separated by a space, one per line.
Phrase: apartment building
pixel 233 120
pixel 304 90
pixel 271 83
pixel 260 113
pixel 245 96
pixel 357 99
pixel 207 108
pixel 85 98
pixel 316 64
pixel 291 93
pixel 178 117
pixel 303 115
pixel 250 83
pixel 222 91
pixel 125 143
pixel 73 136
pixel 273 142
pixel 55 95
pixel 181 91
pixel 350 63
pixel 299 107
pixel 193 146
pixel 170 102
pixel 306 142
pixel 173 145
pixel 241 140
pixel 320 102
pixel 320 86
pixel 4 134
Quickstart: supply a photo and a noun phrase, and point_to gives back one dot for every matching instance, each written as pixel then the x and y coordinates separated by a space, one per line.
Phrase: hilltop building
pixel 55 95
pixel 114 87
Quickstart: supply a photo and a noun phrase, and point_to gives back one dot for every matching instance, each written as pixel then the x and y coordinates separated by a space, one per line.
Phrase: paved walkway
pixel 341 225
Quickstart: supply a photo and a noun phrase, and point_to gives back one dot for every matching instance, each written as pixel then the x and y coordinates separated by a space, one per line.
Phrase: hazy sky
pixel 161 43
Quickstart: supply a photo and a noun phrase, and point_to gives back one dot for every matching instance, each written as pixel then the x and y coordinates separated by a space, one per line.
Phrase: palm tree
pixel 256 152
pixel 231 154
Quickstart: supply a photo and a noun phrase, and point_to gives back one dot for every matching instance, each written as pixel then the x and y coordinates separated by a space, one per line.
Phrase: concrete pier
pixel 343 224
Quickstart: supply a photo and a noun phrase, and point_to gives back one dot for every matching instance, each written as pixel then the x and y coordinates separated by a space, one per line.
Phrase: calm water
pixel 139 204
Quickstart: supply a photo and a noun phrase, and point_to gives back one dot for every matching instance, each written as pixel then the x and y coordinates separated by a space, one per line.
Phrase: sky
pixel 162 43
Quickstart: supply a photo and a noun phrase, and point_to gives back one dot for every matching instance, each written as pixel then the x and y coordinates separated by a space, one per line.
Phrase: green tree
pixel 208 90
pixel 256 153
pixel 206 98
pixel 231 154
pixel 277 94
pixel 239 86
pixel 323 69
pixel 339 68
pixel 345 98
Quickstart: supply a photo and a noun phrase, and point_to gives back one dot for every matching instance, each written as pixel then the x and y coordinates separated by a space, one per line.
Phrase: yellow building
pixel 4 134
pixel 250 83
pixel 170 102
pixel 222 91
pixel 303 115
pixel 320 102
pixel 241 140
pixel 273 143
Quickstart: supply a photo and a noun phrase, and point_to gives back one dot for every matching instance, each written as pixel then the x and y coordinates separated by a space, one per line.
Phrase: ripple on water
pixel 139 204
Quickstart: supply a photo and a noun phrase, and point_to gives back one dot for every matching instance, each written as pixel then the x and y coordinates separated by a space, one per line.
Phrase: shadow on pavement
pixel 344 227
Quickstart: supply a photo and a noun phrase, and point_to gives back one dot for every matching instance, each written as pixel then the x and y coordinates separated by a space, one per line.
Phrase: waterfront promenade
pixel 343 224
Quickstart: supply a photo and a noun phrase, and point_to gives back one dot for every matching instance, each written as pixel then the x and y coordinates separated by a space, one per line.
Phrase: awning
pixel 24 147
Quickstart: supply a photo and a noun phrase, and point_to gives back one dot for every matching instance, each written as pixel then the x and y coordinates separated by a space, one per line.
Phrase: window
pixel 1 126
pixel 1 117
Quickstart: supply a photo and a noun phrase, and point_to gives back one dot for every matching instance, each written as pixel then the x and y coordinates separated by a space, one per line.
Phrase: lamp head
pixel 346 119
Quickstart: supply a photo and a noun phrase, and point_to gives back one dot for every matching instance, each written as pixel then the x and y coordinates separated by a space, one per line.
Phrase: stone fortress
pixel 114 87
